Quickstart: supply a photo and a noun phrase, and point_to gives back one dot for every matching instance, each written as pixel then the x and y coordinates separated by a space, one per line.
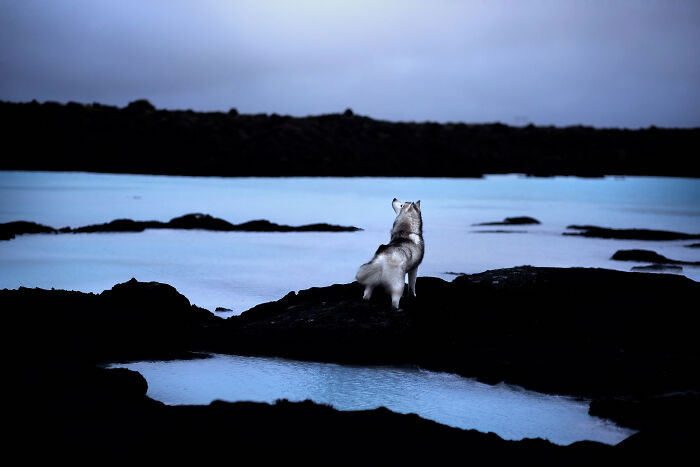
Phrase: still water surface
pixel 511 412
pixel 238 270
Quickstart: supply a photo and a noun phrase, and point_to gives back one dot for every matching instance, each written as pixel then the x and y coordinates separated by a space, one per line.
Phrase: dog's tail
pixel 370 273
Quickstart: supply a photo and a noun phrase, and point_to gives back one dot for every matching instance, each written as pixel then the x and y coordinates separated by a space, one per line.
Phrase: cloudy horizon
pixel 606 64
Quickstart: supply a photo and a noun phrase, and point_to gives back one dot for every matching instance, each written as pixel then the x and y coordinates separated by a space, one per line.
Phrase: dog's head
pixel 405 207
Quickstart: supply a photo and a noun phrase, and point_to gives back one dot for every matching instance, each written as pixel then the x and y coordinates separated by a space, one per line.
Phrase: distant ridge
pixel 141 139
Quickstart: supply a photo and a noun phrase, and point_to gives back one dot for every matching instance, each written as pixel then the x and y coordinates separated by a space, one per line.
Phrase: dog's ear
pixel 396 204
pixel 417 203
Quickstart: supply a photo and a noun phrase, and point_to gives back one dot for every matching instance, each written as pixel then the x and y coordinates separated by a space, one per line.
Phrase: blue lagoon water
pixel 511 412
pixel 238 270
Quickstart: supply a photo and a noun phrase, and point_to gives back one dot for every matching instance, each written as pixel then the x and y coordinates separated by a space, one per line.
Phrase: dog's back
pixel 402 255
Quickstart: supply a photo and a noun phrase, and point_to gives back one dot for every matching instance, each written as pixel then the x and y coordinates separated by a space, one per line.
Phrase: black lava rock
pixel 628 234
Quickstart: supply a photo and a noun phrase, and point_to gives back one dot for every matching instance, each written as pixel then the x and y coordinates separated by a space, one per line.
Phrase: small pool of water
pixel 511 412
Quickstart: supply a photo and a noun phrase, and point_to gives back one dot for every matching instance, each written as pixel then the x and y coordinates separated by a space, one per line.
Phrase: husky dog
pixel 402 255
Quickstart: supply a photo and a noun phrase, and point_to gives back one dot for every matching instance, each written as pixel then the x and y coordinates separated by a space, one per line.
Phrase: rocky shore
pixel 623 339
pixel 199 221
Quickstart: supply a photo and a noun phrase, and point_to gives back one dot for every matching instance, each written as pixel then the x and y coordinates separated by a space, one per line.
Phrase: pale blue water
pixel 239 270
pixel 511 412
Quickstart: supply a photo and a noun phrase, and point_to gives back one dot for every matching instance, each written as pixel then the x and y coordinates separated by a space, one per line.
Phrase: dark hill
pixel 142 139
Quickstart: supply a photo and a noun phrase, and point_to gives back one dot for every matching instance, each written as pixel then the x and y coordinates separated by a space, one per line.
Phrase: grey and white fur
pixel 401 256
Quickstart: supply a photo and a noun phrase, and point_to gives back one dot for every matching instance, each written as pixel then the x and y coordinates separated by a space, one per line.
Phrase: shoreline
pixel 139 138
pixel 67 333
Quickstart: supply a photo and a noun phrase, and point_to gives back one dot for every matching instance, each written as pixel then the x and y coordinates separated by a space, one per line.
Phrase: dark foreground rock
pixel 585 332
pixel 598 333
pixel 100 412
pixel 186 222
pixel 523 220
pixel 648 256
pixel 628 234
pixel 9 230
pixel 132 321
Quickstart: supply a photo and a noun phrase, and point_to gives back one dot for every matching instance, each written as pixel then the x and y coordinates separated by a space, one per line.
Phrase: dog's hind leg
pixel 368 292
pixel 395 288
pixel 412 275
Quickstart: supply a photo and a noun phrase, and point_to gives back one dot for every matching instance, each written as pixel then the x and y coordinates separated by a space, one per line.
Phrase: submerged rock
pixel 628 234
pixel 659 268
pixel 647 256
pixel 500 231
pixel 523 220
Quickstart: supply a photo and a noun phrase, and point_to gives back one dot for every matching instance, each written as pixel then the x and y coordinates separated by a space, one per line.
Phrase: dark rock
pixel 524 220
pixel 140 106
pixel 220 308
pixel 132 321
pixel 107 407
pixel 9 230
pixel 199 221
pixel 628 234
pixel 575 331
pixel 647 256
pixel 693 245
pixel 188 221
pixel 585 332
pixel 658 267
pixel 263 225
pixel 118 225
pixel 500 231
pixel 323 227
pixel 608 334
pixel 646 412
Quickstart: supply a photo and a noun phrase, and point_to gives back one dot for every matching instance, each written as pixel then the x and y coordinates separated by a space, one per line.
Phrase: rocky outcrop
pixel 577 331
pixel 621 337
pixel 94 409
pixel 186 222
pixel 647 256
pixel 132 321
pixel 9 230
pixel 586 332
pixel 628 234
pixel 523 220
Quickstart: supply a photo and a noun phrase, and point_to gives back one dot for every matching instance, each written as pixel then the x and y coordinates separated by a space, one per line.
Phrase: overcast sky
pixel 606 63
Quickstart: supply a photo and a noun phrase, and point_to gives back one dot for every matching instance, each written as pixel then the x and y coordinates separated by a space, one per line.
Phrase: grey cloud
pixel 629 63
